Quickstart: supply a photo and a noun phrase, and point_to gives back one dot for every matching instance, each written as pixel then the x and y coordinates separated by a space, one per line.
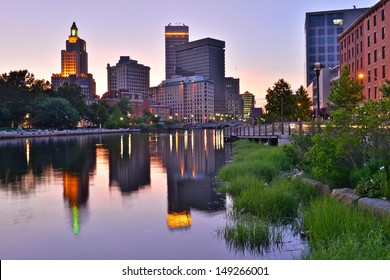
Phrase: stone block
pixel 347 196
pixel 377 205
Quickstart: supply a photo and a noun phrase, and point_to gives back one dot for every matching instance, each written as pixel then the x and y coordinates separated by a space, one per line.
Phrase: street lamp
pixel 361 77
pixel 317 69
pixel 281 113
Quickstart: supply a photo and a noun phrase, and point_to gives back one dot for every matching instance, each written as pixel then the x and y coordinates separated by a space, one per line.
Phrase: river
pixel 118 196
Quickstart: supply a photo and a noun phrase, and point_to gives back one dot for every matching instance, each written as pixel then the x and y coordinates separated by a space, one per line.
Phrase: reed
pixel 339 231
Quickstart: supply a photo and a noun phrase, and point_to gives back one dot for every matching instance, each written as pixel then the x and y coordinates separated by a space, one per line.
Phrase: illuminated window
pixel 338 21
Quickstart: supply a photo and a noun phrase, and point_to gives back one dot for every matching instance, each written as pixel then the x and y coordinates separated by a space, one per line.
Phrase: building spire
pixel 74 30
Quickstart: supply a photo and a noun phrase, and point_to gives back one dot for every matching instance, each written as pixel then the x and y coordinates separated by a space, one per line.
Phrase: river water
pixel 122 196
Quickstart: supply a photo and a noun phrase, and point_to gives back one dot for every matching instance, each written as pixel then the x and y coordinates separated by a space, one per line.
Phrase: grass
pixel 255 159
pixel 253 180
pixel 263 199
pixel 339 231
pixel 250 234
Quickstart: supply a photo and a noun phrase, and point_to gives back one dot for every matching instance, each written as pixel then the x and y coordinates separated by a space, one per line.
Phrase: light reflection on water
pixel 116 197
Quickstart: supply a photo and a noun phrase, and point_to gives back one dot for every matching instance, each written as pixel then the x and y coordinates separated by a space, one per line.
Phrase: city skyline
pixel 264 41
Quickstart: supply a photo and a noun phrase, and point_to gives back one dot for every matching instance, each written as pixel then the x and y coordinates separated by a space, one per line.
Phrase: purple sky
pixel 264 39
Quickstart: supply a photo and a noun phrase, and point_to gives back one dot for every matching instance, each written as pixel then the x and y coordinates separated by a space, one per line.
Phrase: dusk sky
pixel 264 39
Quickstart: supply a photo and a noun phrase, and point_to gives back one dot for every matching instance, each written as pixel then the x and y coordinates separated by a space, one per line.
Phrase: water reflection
pixel 190 160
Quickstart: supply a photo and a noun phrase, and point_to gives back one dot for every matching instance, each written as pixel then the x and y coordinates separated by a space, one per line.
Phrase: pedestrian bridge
pixel 273 134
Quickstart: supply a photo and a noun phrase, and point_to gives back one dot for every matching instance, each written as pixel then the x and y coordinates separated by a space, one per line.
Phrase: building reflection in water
pixel 192 159
pixel 129 162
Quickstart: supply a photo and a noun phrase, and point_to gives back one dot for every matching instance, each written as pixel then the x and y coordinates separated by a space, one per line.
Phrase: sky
pixel 264 39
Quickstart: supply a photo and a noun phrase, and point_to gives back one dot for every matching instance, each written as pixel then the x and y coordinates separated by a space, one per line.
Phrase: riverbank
pixel 47 133
pixel 261 185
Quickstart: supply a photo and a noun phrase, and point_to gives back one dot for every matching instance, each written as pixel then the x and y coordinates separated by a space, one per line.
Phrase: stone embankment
pixel 46 133
pixel 349 196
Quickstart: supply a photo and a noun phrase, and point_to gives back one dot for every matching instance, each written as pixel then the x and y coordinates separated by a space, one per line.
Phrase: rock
pixel 347 196
pixel 322 188
pixel 377 205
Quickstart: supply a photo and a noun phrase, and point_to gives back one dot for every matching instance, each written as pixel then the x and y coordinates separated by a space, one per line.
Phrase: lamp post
pixel 281 113
pixel 317 69
pixel 361 77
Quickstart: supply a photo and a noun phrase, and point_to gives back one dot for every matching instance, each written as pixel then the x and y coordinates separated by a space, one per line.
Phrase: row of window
pixel 376 54
pixel 322 49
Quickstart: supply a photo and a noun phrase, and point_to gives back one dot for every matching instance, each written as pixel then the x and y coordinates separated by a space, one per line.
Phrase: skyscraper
pixel 128 75
pixel 174 35
pixel 74 65
pixel 232 97
pixel 206 58
pixel 322 29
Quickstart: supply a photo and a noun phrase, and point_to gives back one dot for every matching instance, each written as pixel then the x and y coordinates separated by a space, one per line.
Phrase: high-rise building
pixel 174 35
pixel 322 29
pixel 206 58
pixel 365 48
pixel 248 102
pixel 232 97
pixel 74 65
pixel 191 99
pixel 127 75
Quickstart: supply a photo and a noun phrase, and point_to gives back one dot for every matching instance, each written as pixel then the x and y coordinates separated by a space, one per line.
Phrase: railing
pixel 270 130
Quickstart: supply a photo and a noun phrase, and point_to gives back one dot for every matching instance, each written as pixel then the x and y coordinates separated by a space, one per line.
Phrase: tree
pixel 73 94
pixel 280 102
pixel 116 119
pixel 18 89
pixel 303 104
pixel 54 112
pixel 346 92
pixel 385 89
pixel 124 106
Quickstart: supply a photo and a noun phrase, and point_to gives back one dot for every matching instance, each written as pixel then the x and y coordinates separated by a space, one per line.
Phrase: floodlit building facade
pixel 74 66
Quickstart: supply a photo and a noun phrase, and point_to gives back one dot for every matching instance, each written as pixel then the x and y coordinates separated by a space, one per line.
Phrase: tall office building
pixel 74 65
pixel 365 48
pixel 191 99
pixel 232 97
pixel 174 35
pixel 322 29
pixel 205 57
pixel 248 102
pixel 127 75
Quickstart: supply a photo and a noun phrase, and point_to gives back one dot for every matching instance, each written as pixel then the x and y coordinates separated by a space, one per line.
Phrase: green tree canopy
pixel 346 92
pixel 280 102
pixel 303 104
pixel 54 112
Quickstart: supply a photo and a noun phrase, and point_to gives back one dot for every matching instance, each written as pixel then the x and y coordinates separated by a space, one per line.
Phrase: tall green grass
pixel 262 162
pixel 339 231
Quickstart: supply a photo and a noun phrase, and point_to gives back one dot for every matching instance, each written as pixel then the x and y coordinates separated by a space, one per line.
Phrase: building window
pixel 330 31
pixel 369 76
pixel 375 55
pixel 316 20
pixel 375 92
pixel 312 32
pixel 368 24
pixel 331 57
pixel 321 49
pixel 383 14
pixel 369 58
pixel 374 20
pixel 384 71
pixel 383 33
pixel 369 93
pixel 340 30
pixel 368 41
pixel 383 52
pixel 374 37
pixel 330 40
pixel 376 73
pixel 321 32
pixel 321 41
pixel 331 49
